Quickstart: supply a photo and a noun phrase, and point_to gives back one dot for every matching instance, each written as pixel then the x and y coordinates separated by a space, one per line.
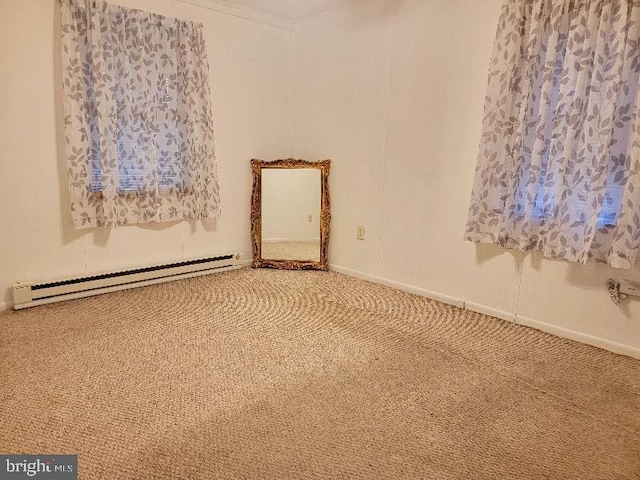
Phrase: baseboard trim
pixel 492 312
pixel 398 285
pixel 579 337
pixel 6 306
pixel 557 331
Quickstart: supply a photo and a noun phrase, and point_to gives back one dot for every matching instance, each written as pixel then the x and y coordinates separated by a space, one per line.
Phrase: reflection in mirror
pixel 290 214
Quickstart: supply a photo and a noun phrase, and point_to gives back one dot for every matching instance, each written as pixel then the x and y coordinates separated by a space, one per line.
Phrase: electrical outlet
pixel 360 233
pixel 309 218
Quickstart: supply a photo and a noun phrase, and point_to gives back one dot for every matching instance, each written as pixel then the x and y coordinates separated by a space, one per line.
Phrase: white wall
pixel 393 93
pixel 249 63
pixel 288 198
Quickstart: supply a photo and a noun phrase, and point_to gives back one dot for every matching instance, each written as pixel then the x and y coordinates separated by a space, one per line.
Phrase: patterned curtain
pixel 138 122
pixel 559 163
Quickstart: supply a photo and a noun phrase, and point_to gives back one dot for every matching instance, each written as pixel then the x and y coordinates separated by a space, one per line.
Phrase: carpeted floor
pixel 309 251
pixel 262 374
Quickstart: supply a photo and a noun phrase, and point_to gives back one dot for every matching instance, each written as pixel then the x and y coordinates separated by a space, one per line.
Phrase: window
pixel 138 122
pixel 559 162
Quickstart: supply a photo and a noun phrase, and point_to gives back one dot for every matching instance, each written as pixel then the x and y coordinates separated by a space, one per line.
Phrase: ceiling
pixel 294 9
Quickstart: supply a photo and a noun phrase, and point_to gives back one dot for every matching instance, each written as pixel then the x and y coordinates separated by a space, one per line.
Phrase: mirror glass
pixel 291 214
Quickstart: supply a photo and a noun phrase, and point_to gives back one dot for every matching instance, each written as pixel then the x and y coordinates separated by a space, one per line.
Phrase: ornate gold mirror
pixel 290 214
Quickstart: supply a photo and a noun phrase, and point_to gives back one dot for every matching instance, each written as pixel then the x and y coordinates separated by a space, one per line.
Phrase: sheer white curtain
pixel 559 163
pixel 138 121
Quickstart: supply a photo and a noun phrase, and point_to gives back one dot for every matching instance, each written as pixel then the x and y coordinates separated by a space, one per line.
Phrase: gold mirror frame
pixel 256 214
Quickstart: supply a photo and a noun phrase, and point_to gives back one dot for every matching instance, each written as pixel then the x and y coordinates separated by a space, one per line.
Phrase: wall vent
pixel 26 294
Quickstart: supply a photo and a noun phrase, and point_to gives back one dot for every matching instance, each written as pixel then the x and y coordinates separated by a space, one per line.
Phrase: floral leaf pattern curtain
pixel 138 122
pixel 558 168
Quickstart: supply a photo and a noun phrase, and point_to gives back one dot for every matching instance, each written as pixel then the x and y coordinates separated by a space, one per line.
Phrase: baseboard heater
pixel 27 294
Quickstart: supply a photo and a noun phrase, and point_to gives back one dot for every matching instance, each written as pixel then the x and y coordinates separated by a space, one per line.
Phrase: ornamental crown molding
pixel 254 14
pixel 281 21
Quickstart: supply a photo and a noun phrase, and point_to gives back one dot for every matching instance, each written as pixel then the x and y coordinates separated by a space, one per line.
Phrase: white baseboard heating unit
pixel 27 294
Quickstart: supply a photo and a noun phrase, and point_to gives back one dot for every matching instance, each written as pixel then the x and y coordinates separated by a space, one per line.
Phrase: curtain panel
pixel 137 117
pixel 558 168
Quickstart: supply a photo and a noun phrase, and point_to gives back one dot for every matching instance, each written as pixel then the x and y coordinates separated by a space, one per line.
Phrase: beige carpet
pixel 309 251
pixel 262 374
